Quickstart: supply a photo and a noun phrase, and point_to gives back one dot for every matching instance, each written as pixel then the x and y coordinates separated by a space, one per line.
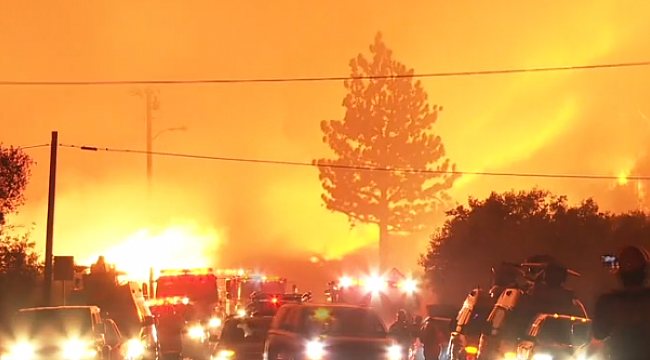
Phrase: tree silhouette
pixel 14 175
pixel 515 226
pixel 19 271
pixel 388 126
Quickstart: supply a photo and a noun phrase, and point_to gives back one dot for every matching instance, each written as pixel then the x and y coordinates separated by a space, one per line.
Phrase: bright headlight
pixel 215 322
pixel 512 356
pixel 375 284
pixel 135 348
pixel 224 355
pixel 315 350
pixel 77 350
pixel 196 332
pixel 345 282
pixel 395 352
pixel 542 357
pixel 22 351
pixel 410 286
pixel 241 312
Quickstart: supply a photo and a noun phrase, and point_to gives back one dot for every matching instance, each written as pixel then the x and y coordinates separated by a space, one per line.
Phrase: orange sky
pixel 580 122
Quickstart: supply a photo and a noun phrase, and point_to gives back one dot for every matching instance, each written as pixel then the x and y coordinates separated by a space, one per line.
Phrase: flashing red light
pixel 274 300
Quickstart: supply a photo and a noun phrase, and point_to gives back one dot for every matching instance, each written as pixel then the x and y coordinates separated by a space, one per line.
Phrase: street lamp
pixel 179 128
pixel 150 149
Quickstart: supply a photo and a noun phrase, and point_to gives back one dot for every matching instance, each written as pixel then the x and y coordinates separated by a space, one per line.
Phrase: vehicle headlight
pixel 241 312
pixel 315 350
pixel 345 282
pixel 410 286
pixel 134 349
pixel 511 356
pixel 395 352
pixel 542 357
pixel 375 284
pixel 77 350
pixel 214 323
pixel 224 355
pixel 196 332
pixel 471 350
pixel 21 351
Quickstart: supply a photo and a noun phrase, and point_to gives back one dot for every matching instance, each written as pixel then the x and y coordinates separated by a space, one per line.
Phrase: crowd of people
pixel 620 321
pixel 431 335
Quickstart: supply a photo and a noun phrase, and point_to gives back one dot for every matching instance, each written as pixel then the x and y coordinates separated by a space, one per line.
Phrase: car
pixel 67 332
pixel 333 331
pixel 242 338
pixel 75 332
pixel 554 336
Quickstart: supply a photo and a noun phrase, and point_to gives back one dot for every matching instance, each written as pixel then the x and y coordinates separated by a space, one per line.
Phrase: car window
pixel 59 319
pixel 292 320
pixel 243 330
pixel 112 334
pixel 279 318
pixel 563 331
pixel 342 321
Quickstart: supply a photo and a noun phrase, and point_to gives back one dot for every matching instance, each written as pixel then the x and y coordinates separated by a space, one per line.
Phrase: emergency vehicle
pixel 389 293
pixel 266 304
pixel 196 286
pixel 181 331
pixel 119 299
pixel 242 284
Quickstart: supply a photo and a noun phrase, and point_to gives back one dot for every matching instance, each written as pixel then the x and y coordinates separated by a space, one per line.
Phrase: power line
pixel 327 78
pixel 32 146
pixel 353 167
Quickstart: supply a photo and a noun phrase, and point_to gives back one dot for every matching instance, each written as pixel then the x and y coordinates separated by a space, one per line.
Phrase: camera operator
pixel 622 318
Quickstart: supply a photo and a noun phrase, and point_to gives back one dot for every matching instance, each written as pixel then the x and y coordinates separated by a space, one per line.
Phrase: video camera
pixel 610 262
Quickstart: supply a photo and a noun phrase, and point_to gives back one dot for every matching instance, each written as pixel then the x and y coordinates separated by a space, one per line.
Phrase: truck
pixel 239 288
pixel 388 293
pixel 119 299
pixel 198 286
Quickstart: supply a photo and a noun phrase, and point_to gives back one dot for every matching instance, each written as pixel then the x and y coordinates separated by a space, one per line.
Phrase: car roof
pixel 562 316
pixel 89 308
pixel 330 306
pixel 250 318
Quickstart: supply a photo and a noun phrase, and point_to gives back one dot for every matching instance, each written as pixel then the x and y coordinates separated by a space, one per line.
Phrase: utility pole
pixel 49 237
pixel 152 104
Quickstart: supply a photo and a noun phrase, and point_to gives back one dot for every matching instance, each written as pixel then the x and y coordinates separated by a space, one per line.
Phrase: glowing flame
pixel 622 178
pixel 178 246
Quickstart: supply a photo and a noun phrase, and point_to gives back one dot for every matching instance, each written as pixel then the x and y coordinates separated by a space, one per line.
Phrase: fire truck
pixel 119 299
pixel 265 304
pixel 193 341
pixel 388 293
pixel 240 285
pixel 198 286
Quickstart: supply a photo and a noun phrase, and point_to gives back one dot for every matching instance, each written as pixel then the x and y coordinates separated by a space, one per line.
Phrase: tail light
pixel 471 352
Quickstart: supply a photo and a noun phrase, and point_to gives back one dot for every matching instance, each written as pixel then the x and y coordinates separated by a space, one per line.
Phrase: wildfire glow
pixel 177 246
pixel 622 178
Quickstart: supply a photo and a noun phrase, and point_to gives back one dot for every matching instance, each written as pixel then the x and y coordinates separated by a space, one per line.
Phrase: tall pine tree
pixel 388 125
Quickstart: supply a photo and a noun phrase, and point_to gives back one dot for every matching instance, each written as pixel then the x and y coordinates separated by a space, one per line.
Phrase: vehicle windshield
pixel 198 288
pixel 66 320
pixel 187 312
pixel 248 287
pixel 563 331
pixel 343 321
pixel 245 330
